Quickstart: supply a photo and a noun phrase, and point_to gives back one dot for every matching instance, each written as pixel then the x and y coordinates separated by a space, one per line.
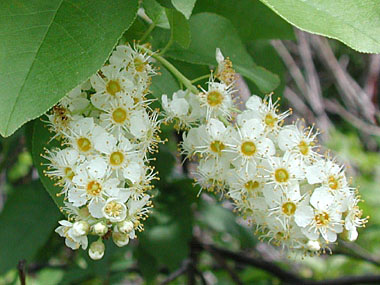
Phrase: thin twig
pixel 22 271
pixel 219 259
pixel 351 89
pixel 180 271
pixel 335 107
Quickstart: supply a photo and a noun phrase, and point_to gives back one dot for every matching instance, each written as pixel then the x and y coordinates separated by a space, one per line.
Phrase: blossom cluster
pixel 107 130
pixel 296 197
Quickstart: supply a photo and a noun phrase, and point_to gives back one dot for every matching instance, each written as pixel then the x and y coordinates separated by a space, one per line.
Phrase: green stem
pixel 147 32
pixel 176 73
pixel 168 45
pixel 182 78
pixel 200 78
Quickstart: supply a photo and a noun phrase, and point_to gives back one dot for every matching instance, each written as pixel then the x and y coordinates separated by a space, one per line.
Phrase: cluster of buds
pixel 107 130
pixel 274 173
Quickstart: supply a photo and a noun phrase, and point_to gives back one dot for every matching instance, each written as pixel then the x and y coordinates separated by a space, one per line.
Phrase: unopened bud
pixel 313 245
pixel 96 250
pixel 120 239
pixel 125 226
pixel 100 228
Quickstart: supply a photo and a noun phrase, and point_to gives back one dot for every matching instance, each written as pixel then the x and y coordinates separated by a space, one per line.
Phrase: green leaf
pixel 184 6
pixel 252 19
pixel 221 34
pixel 224 221
pixel 156 13
pixel 180 31
pixel 40 142
pixel 28 218
pixel 163 83
pixel 49 47
pixel 355 23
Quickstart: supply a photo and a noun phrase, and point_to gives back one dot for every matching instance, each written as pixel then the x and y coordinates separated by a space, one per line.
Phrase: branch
pixel 335 107
pixel 347 280
pixel 223 263
pixel 21 266
pixel 180 271
pixel 270 267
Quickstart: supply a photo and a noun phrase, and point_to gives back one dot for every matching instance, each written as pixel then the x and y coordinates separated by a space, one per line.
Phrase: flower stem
pixel 168 45
pixel 206 76
pixel 182 78
pixel 147 32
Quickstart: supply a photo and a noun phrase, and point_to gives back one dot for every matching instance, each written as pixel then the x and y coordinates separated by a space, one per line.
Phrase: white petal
pixel 95 208
pixel 303 215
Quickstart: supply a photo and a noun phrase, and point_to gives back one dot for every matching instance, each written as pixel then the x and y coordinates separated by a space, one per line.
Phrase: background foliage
pixel 48 47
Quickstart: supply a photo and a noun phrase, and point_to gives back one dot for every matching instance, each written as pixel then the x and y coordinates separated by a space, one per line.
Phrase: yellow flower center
pixel 113 209
pixel 217 147
pixel 303 147
pixel 113 87
pixel 269 120
pixel 119 115
pixel 84 144
pixel 322 219
pixel 248 148
pixel 251 185
pixel 333 182
pixel 69 173
pixel 94 188
pixel 289 208
pixel 214 98
pixel 139 64
pixel 116 158
pixel 281 175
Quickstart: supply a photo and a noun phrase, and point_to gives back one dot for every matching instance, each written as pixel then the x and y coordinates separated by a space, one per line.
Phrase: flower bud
pixel 120 239
pixel 100 228
pixel 125 226
pixel 313 245
pixel 96 250
pixel 81 228
pixel 350 236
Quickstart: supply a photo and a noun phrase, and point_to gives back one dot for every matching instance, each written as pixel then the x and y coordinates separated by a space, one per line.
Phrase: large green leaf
pixel 252 19
pixel 40 142
pixel 28 218
pixel 184 6
pixel 220 33
pixel 355 23
pixel 179 28
pixel 49 47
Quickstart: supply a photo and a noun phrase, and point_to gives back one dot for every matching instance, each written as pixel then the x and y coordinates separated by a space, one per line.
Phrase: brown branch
pixel 355 95
pixel 347 280
pixel 219 259
pixel 21 266
pixel 335 107
pixel 180 271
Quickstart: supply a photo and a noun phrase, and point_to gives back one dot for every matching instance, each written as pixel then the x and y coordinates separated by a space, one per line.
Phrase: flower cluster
pixel 274 173
pixel 107 130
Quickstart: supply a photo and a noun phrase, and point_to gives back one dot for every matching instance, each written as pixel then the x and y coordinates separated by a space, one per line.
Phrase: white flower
pixel 92 185
pixel 80 228
pixel 217 100
pixel 250 143
pixel 214 139
pixel 212 173
pixel 115 210
pixel 225 72
pixel 283 171
pixel 264 110
pixel 82 134
pixel 62 166
pixel 323 218
pixel 330 175
pixel 299 142
pixel 75 101
pixel 125 226
pixel 245 182
pixel 353 218
pixel 108 83
pixel 72 240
